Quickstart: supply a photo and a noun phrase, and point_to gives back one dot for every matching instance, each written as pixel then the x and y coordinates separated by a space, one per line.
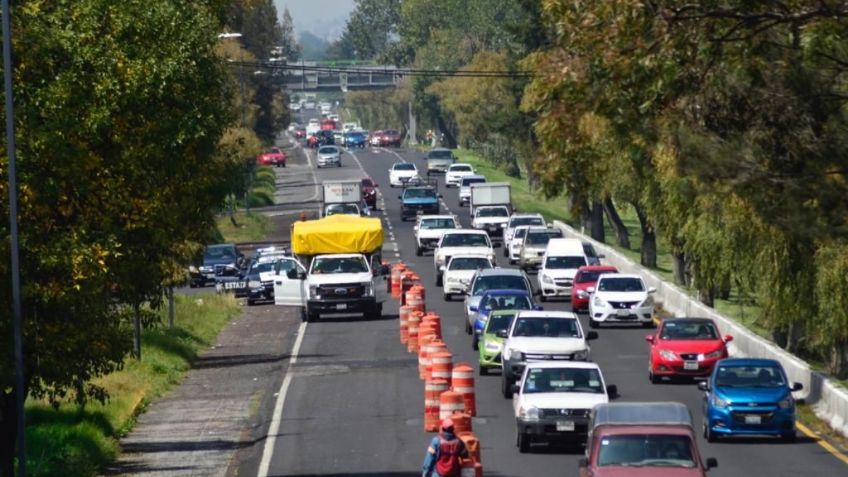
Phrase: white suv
pixel 554 401
pixel 620 298
pixel 541 336
pixel 516 220
pixel 456 172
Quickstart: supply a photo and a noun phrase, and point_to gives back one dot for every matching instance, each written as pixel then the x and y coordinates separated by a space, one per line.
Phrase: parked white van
pixel 562 258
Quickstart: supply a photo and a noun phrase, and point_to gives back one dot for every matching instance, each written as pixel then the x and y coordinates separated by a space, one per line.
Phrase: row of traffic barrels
pixel 448 387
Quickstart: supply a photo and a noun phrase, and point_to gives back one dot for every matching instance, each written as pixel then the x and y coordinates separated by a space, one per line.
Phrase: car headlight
pixel 719 402
pixel 667 355
pixel 786 403
pixel 547 279
pixel 254 284
pixel 492 256
pixel 205 269
pixel 493 347
pixel 648 301
pixel 367 290
pixel 582 355
pixel 530 413
pixel 192 269
pixel 513 353
pixel 313 292
pixel 597 301
pixel 452 280
pixel 440 259
pixel 714 355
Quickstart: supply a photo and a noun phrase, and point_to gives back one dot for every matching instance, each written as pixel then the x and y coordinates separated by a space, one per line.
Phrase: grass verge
pixel 78 442
pixel 251 227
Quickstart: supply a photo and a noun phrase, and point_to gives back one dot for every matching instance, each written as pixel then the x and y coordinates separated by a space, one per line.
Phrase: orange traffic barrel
pixel 469 468
pixel 421 290
pixel 407 280
pixel 461 422
pixel 436 319
pixel 432 389
pixel 397 269
pixel 424 340
pixel 450 402
pixel 442 363
pixel 471 443
pixel 414 299
pixel 413 323
pixel 432 324
pixel 404 313
pixel 462 381
pixel 433 347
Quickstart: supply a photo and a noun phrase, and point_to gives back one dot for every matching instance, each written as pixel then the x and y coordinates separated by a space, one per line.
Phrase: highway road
pixel 354 403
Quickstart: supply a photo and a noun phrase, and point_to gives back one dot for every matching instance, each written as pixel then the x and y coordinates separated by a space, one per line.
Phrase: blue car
pixel 354 139
pixel 498 300
pixel 748 397
pixel 418 200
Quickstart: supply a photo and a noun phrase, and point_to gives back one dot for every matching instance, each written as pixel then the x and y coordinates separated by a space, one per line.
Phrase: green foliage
pixel 76 441
pixel 370 30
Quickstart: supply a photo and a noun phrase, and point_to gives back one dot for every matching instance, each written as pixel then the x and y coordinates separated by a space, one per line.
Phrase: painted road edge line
pixel 822 442
pixel 276 419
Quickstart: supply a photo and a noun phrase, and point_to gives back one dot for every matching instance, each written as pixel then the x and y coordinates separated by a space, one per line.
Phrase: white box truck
pixel 490 207
pixel 342 197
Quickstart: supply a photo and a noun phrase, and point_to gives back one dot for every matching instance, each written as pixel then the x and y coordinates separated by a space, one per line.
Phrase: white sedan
pixel 456 172
pixel 401 173
pixel 459 271
pixel 620 298
pixel 329 156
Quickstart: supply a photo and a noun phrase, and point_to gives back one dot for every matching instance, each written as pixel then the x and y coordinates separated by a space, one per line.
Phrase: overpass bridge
pixel 318 76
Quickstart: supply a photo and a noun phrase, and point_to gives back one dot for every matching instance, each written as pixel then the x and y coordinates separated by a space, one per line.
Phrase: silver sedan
pixel 329 156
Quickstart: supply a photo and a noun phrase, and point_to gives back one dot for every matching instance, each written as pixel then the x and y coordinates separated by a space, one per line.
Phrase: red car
pixel 369 192
pixel 299 132
pixel 587 276
pixel 274 157
pixel 376 138
pixel 685 347
pixel 390 137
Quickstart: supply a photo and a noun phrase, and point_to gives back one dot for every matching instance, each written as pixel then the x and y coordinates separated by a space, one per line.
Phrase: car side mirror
pixel 291 274
pixel 704 386
pixel 797 386
pixel 600 255
pixel 650 339
pixel 515 389
pixel 501 334
pixel 442 268
pixel 728 338
pixel 415 228
pixel 712 463
pixel 583 463
pixel 590 290
pixel 592 335
pixel 400 197
pixel 612 390
pixel 652 290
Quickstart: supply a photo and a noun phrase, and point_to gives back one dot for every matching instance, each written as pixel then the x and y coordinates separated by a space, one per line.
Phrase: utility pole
pixel 13 232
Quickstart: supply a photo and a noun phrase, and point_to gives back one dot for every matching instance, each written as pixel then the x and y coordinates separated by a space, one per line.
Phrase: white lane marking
pixel 277 418
pixel 395 153
pixel 392 240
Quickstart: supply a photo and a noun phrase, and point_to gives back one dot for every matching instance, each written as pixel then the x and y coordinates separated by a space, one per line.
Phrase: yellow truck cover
pixel 337 234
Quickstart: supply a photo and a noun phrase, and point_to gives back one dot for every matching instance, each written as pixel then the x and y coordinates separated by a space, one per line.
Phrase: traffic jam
pixel 503 273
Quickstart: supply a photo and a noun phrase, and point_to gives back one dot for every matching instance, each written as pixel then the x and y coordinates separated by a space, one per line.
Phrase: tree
pixel 372 28
pixel 117 179
pixel 289 47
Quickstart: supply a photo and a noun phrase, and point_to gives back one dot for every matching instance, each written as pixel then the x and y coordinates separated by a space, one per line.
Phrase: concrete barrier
pixel 829 400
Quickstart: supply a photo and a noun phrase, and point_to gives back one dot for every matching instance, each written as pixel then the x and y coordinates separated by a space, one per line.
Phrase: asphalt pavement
pixel 354 403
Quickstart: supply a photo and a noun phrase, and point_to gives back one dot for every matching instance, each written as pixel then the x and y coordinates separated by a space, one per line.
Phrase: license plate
pixel 234 285
pixel 690 365
pixel 341 306
pixel 565 426
pixel 622 312
pixel 753 419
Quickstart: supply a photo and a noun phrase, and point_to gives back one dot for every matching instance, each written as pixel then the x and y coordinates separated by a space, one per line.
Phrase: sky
pixel 323 18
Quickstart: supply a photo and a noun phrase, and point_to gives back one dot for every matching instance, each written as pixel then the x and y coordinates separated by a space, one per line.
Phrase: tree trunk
pixel 137 332
pixel 678 267
pixel 649 240
pixel 707 296
pixel 622 235
pixel 8 432
pixel 596 222
pixel 450 140
pixel 170 307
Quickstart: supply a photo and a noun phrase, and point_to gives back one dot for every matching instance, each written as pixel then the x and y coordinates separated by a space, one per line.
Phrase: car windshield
pixel 589 250
pixel 500 321
pixel 327 150
pixel 220 253
pixel 344 209
pixel 499 282
pixel 765 376
pixel 472 180
pixel 465 240
pixel 674 330
pixel 328 265
pixel 356 135
pixel 519 233
pixel 646 450
pixel 470 263
pixel 391 132
pixel 460 168
pixel 506 302
pixel 515 222
pixel 623 284
pixel 261 267
pixel 563 380
pixel 419 194
pixel 429 224
pixel 492 212
pixel 404 166
pixel 565 262
pixel 550 327
pixel 542 238
pixel 440 155
pixel 589 276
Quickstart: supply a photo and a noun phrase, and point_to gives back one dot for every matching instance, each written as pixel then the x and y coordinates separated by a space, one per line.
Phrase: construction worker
pixel 444 452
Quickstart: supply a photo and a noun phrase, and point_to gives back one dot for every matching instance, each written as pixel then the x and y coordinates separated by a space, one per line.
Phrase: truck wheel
pixel 522 441
pixel 419 251
pixel 475 343
pixel 506 385
pixel 467 327
pixel 484 371
pixel 312 317
pixel 438 280
pixel 543 298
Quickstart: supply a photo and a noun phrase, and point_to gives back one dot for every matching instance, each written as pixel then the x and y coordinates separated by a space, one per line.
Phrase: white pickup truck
pixel 464 242
pixel 429 230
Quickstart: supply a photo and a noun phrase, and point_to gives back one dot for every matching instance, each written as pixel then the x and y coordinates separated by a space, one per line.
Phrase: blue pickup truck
pixel 419 200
